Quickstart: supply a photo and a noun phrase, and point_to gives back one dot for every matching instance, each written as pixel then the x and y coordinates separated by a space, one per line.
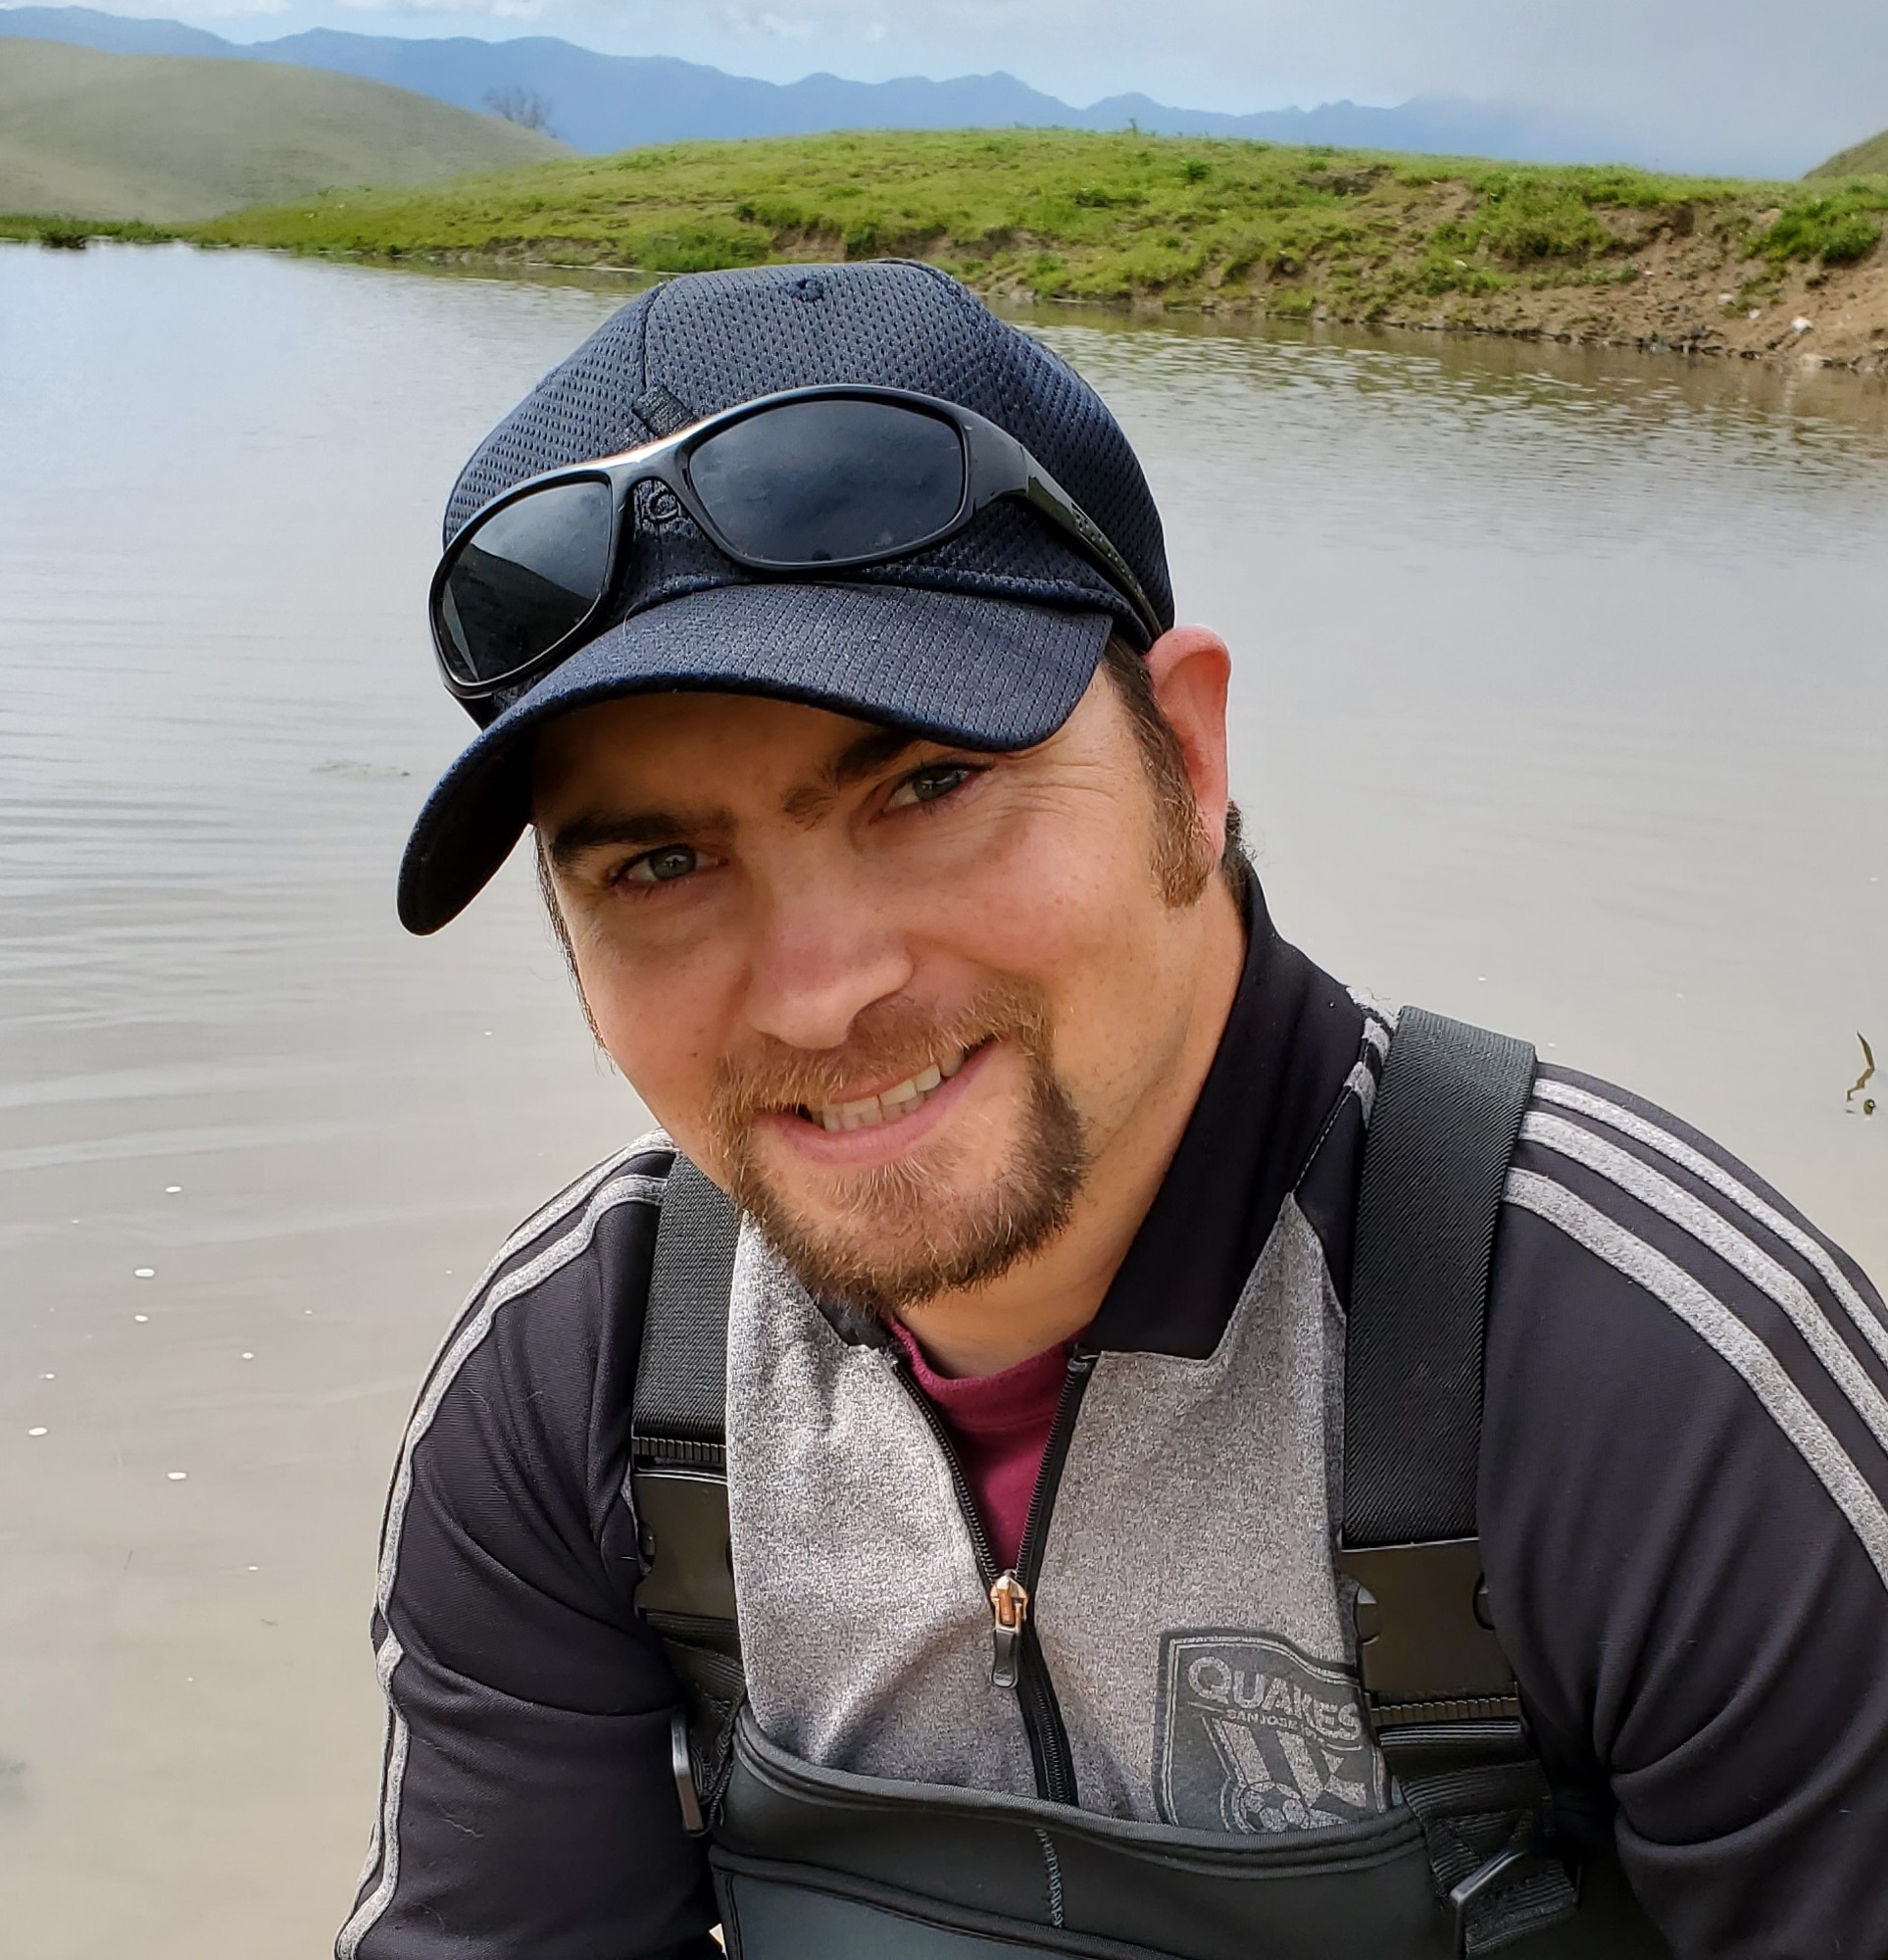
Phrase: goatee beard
pixel 906 1234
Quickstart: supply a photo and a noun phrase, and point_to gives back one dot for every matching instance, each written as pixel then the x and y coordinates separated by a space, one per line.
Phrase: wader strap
pixel 677 1479
pixel 1442 1698
pixel 682 1378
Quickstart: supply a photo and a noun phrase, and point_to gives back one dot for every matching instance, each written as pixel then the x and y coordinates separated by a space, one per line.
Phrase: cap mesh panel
pixel 714 339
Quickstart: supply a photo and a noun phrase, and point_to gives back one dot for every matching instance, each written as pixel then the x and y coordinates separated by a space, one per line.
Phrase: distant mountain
pixel 113 33
pixel 84 133
pixel 1858 159
pixel 615 102
pixel 612 102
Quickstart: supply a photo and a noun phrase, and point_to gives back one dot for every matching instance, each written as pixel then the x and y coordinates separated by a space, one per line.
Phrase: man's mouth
pixel 887 1105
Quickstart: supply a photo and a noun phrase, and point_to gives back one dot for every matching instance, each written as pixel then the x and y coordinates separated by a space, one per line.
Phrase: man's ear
pixel 1189 669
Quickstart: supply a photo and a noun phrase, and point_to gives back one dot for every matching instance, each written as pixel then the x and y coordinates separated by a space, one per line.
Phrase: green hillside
pixel 1869 159
pixel 170 138
pixel 1062 214
pixel 1597 254
pixel 1577 253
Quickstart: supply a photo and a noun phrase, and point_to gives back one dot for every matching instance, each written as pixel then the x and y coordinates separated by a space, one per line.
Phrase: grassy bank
pixel 1604 254
pixel 75 233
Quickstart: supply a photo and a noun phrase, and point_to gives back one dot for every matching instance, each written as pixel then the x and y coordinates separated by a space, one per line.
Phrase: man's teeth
pixel 898 1100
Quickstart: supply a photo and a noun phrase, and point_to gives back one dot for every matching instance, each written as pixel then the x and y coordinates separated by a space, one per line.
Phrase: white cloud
pixel 764 21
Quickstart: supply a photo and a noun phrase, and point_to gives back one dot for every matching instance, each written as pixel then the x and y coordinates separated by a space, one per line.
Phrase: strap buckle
pixel 682 1535
pixel 1423 1631
pixel 1515 1864
pixel 682 1762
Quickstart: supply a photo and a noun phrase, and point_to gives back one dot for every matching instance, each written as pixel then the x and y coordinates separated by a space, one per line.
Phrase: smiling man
pixel 920 1011
pixel 1080 1436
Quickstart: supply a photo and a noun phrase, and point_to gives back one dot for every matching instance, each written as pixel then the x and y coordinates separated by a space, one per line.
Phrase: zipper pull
pixel 1009 1609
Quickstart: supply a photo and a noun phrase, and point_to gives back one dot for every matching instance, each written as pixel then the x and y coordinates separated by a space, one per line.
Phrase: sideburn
pixel 1183 856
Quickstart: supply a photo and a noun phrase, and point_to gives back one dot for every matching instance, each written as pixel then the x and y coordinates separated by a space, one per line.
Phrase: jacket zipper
pixel 1017 1659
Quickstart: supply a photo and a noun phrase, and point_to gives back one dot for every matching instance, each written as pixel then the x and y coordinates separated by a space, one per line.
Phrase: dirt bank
pixel 1675 288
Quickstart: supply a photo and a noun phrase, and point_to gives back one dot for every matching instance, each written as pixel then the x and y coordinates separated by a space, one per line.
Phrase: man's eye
pixel 664 866
pixel 930 786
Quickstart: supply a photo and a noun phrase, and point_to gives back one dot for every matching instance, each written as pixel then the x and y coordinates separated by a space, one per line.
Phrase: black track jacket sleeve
pixel 1684 1512
pixel 527 1810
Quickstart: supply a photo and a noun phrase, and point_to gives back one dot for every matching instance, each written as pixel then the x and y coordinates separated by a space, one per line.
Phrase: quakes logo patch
pixel 1253 1736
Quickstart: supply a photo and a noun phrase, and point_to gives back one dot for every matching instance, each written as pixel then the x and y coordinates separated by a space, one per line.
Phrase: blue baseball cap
pixel 987 639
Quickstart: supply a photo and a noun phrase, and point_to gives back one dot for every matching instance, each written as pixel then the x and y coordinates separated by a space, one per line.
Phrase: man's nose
pixel 819 961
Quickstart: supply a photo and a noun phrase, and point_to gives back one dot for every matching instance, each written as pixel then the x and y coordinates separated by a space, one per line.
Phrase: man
pixel 820 628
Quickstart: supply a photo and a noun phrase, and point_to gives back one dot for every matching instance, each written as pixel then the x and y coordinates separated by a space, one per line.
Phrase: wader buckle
pixel 1515 1865
pixel 682 1763
pixel 1424 1635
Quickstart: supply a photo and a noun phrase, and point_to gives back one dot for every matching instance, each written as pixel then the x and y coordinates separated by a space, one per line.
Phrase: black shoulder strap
pixel 681 1372
pixel 677 1479
pixel 1447 1114
pixel 1442 1698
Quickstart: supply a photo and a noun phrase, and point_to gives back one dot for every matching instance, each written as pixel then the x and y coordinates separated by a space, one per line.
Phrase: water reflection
pixel 1559 704
pixel 1541 448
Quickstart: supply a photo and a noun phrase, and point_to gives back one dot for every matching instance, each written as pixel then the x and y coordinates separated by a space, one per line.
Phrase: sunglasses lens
pixel 525 578
pixel 815 480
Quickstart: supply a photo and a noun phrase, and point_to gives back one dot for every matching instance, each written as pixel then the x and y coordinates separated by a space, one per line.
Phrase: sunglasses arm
pixel 1043 493
pixel 1001 467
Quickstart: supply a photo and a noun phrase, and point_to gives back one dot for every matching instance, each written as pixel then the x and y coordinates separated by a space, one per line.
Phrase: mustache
pixel 887 1041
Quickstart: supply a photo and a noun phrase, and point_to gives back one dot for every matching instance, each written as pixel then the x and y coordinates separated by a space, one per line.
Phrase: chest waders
pixel 1478 1852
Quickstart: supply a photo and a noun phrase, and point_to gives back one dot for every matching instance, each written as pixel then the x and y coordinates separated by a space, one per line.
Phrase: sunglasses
pixel 817 479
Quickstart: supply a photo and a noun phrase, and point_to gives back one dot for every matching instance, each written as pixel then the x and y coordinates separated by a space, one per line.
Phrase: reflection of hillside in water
pixel 1512 433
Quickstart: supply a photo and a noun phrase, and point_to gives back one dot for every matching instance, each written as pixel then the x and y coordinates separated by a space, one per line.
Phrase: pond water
pixel 1560 704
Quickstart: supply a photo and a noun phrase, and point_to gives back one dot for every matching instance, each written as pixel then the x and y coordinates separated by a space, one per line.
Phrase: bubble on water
pixel 145 1273
pixel 39 1432
pixel 177 1475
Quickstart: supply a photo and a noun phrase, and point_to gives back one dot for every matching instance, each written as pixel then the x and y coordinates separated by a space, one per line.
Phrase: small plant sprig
pixel 1863 1081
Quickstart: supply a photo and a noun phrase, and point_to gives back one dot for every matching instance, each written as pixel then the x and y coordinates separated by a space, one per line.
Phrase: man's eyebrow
pixel 863 756
pixel 866 754
pixel 595 830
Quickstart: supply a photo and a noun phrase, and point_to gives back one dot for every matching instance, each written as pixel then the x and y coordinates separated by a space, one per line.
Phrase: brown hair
pixel 1180 852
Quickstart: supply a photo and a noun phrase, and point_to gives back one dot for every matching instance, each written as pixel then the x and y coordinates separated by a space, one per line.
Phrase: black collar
pixel 1291 1041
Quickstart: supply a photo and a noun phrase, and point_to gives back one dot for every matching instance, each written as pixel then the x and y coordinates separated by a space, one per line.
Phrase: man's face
pixel 904 1001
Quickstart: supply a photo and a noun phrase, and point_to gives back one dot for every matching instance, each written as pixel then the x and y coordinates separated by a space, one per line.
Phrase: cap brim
pixel 990 673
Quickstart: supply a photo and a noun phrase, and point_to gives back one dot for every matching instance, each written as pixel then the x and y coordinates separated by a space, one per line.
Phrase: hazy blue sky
pixel 1815 73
